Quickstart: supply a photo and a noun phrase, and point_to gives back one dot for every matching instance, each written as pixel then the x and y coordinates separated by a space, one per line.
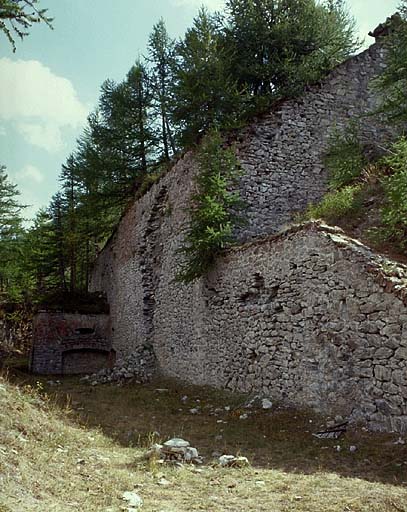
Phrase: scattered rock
pixel 139 365
pixel 353 449
pixel 232 461
pixel 175 450
pixel 243 416
pixel 266 403
pixel 195 410
pixel 133 499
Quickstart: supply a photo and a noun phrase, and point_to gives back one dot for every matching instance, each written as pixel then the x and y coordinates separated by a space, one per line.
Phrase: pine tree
pixel 17 16
pixel 205 93
pixel 11 233
pixel 393 81
pixel 277 46
pixel 161 57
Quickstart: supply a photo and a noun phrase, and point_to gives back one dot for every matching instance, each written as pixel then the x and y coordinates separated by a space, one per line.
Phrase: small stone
pixel 226 460
pixel 266 403
pixel 353 449
pixel 195 410
pixel 133 499
pixel 243 416
pixel 191 454
pixel 176 442
pixel 164 482
pixel 232 461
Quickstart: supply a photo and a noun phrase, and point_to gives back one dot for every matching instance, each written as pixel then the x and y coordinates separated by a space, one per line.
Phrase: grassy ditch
pixel 72 446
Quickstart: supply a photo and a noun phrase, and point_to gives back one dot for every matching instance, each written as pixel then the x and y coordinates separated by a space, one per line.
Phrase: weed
pixel 345 158
pixel 336 205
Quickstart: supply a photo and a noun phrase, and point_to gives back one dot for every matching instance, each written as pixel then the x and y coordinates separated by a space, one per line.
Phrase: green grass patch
pixel 336 205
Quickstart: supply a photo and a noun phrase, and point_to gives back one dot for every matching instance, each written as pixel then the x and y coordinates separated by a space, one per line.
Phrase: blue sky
pixel 48 87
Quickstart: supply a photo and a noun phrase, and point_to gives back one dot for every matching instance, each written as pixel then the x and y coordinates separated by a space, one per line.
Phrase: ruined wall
pixel 70 343
pixel 212 332
pixel 309 317
pixel 282 153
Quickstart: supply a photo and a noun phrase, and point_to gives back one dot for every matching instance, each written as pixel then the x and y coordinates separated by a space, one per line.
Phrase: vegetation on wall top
pixel 214 210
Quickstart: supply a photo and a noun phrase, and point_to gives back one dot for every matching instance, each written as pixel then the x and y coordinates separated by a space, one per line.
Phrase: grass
pixel 335 206
pixel 75 446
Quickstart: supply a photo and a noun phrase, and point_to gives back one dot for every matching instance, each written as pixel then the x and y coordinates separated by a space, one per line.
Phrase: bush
pixel 345 159
pixel 214 208
pixel 394 213
pixel 337 204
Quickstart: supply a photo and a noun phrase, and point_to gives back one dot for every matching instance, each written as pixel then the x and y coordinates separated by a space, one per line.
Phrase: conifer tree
pixel 393 81
pixel 17 16
pixel 205 93
pixel 280 45
pixel 11 232
pixel 161 57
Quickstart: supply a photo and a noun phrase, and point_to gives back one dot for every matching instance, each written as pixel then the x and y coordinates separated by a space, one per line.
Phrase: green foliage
pixel 227 67
pixel 205 92
pixel 395 187
pixel 345 158
pixel 277 46
pixel 336 205
pixel 214 209
pixel 162 61
pixel 17 16
pixel 393 81
pixel 12 277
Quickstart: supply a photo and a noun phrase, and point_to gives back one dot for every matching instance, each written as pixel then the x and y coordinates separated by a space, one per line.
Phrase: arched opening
pixel 85 360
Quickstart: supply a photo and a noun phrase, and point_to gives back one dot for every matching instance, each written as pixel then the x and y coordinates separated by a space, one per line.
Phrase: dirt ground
pixel 290 470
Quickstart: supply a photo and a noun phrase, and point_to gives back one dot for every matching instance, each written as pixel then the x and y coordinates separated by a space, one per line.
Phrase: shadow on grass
pixel 214 421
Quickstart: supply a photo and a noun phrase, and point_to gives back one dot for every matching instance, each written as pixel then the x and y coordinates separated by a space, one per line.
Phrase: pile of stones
pixel 138 366
pixel 175 450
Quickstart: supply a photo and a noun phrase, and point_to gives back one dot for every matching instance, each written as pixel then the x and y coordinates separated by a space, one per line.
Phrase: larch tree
pixel 161 58
pixel 18 16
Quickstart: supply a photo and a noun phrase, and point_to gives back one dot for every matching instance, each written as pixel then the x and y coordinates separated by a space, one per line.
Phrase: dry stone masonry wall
pixel 70 343
pixel 282 153
pixel 307 317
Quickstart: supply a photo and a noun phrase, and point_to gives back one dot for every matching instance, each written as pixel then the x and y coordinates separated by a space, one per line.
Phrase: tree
pixel 11 231
pixel 214 210
pixel 393 81
pixel 161 57
pixel 44 251
pixel 17 16
pixel 205 93
pixel 121 134
pixel 280 45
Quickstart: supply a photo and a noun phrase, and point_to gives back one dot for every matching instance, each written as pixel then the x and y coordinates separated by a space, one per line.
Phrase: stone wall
pixel 282 153
pixel 70 343
pixel 213 332
pixel 309 317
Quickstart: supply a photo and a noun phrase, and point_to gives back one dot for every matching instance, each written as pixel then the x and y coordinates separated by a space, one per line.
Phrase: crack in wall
pixel 150 259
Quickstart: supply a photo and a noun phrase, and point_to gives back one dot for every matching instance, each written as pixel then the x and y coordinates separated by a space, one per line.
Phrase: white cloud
pixel 211 4
pixel 47 136
pixel 39 102
pixel 30 173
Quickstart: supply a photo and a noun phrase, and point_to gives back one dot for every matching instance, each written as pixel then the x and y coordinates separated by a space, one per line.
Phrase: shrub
pixel 394 213
pixel 214 210
pixel 345 159
pixel 337 204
